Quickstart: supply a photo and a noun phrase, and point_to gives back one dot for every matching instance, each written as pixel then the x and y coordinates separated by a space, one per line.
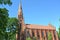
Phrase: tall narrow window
pixel 47 35
pixel 38 36
pixel 32 33
pixel 55 35
pixel 28 34
pixel 42 35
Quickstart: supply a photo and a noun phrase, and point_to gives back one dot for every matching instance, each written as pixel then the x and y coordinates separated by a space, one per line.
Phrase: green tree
pixel 49 36
pixel 12 27
pixel 28 38
pixel 4 13
pixel 10 31
pixel 59 33
pixel 34 38
pixel 3 21
pixel 5 2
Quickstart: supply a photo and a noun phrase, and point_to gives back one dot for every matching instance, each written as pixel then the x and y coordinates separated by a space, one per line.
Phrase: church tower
pixel 20 17
pixel 21 28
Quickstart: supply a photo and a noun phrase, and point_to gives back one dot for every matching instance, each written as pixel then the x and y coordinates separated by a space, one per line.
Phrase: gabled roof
pixel 33 26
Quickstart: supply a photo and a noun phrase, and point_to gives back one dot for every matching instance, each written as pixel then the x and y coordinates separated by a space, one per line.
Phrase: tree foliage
pixel 3 21
pixel 49 36
pixel 59 33
pixel 5 2
pixel 7 25
pixel 10 31
pixel 28 38
pixel 3 17
pixel 34 38
pixel 12 28
pixel 12 23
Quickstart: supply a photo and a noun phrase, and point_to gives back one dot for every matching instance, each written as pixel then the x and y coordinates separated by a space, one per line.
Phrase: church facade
pixel 32 30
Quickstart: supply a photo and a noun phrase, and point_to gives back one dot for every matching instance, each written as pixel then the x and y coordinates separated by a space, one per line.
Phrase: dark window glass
pixel 38 34
pixel 28 34
pixel 47 35
pixel 32 33
pixel 42 34
pixel 55 35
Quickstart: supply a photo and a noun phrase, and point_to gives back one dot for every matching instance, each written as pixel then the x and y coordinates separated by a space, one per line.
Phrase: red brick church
pixel 32 30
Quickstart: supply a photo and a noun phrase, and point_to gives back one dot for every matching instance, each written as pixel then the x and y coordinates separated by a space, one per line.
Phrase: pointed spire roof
pixel 20 3
pixel 20 8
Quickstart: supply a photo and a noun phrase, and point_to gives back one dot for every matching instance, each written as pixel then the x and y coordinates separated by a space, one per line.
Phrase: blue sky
pixel 40 12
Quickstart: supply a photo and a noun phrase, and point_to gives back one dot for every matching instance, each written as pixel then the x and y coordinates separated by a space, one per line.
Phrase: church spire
pixel 20 8
pixel 20 4
pixel 20 16
pixel 20 12
pixel 21 27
